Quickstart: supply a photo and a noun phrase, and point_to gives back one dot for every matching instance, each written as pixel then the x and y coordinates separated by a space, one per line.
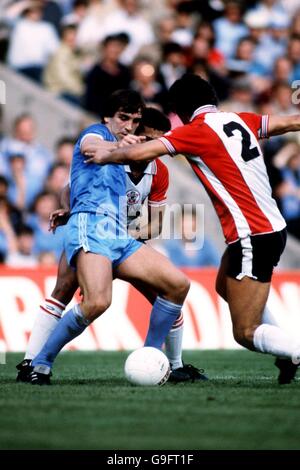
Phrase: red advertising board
pixel 124 324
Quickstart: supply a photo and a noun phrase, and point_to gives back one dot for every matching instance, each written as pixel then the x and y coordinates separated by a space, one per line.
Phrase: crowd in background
pixel 83 50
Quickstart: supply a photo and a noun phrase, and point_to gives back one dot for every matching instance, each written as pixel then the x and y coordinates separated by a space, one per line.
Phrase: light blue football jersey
pixel 99 189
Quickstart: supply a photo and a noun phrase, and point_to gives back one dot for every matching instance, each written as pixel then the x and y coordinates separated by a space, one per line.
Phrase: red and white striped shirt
pixel 224 152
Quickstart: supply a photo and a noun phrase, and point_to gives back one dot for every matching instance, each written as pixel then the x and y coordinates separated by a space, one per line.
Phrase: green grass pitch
pixel 91 406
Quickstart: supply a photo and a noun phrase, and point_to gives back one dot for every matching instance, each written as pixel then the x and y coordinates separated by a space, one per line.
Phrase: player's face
pixel 123 123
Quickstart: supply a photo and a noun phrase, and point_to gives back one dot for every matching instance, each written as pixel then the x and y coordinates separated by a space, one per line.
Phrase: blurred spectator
pixel 63 75
pixel 128 19
pixel 185 22
pixel 57 179
pixel 37 157
pixel 184 252
pixel 46 259
pixel 108 75
pixel 282 71
pixel 3 186
pixel 10 219
pixel 288 191
pixel 18 186
pixel 64 150
pixel 282 100
pixel 230 28
pixel 44 204
pixel 77 14
pixel 90 17
pixel 52 13
pixel 32 42
pixel 173 64
pixel 144 80
pixel 215 58
pixel 20 253
pixel 240 98
pixel 293 53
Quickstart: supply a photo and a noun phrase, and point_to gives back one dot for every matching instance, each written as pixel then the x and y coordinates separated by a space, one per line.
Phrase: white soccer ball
pixel 147 366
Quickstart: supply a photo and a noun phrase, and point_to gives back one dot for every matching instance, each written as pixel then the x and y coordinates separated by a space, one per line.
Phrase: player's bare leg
pixel 48 316
pixel 157 273
pixel 94 274
pixel 247 299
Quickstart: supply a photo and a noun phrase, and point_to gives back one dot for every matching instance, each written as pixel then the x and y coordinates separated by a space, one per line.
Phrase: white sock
pixel 46 320
pixel 173 343
pixel 273 340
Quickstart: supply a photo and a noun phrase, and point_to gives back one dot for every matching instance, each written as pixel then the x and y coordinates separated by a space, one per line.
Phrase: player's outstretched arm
pixel 282 124
pixel 138 152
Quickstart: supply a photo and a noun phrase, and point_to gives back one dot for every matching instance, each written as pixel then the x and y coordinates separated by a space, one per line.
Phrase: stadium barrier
pixel 124 325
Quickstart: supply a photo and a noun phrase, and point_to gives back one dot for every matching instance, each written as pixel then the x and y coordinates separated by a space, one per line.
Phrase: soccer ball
pixel 147 366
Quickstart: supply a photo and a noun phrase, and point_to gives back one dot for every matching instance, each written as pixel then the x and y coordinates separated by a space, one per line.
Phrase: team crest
pixel 133 197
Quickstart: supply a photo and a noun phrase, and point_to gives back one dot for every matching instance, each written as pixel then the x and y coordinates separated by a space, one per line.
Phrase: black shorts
pixel 255 256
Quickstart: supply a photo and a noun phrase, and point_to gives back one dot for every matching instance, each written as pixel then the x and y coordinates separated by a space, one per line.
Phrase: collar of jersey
pixel 149 170
pixel 208 108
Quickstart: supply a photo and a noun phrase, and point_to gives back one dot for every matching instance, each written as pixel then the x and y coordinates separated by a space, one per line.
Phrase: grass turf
pixel 91 406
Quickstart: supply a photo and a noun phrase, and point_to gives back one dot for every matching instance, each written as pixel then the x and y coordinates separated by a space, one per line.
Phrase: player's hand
pixel 57 218
pixel 131 139
pixel 100 156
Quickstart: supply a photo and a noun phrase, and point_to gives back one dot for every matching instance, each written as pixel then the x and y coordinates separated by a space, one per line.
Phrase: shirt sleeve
pixel 95 131
pixel 183 139
pixel 257 123
pixel 160 185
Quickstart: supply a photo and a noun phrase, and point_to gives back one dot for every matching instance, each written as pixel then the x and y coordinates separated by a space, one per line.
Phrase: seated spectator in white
pixel 44 240
pixel 32 43
pixel 185 22
pixel 21 253
pixel 63 74
pixel 64 150
pixel 57 179
pixel 108 75
pixel 128 19
pixel 185 250
pixel 38 159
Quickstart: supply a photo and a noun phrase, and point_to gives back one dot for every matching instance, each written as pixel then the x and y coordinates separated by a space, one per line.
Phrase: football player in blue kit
pixel 97 243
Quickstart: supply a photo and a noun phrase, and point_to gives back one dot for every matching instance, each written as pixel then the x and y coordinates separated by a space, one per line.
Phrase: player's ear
pixel 106 119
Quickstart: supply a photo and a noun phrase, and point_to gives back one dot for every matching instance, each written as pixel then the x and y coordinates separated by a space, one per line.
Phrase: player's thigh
pixel 66 282
pixel 94 273
pixel 221 276
pixel 155 271
pixel 145 290
pixel 246 299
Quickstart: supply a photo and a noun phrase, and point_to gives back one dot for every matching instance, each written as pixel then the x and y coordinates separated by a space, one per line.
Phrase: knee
pixel 94 307
pixel 244 336
pixel 181 288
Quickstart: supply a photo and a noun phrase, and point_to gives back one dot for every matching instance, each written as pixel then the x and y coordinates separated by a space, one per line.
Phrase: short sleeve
pixel 183 139
pixel 160 185
pixel 257 123
pixel 96 130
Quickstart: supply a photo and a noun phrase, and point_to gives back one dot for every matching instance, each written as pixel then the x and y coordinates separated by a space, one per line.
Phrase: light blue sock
pixel 72 324
pixel 163 315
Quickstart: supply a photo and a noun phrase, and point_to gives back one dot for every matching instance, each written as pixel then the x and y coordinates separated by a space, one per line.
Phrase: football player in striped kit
pixel 223 150
pixel 144 181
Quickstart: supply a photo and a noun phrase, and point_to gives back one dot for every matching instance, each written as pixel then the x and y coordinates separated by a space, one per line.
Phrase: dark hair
pixel 128 101
pixel 65 140
pixel 171 48
pixel 23 229
pixel 189 93
pixel 123 38
pixel 3 181
pixel 155 119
